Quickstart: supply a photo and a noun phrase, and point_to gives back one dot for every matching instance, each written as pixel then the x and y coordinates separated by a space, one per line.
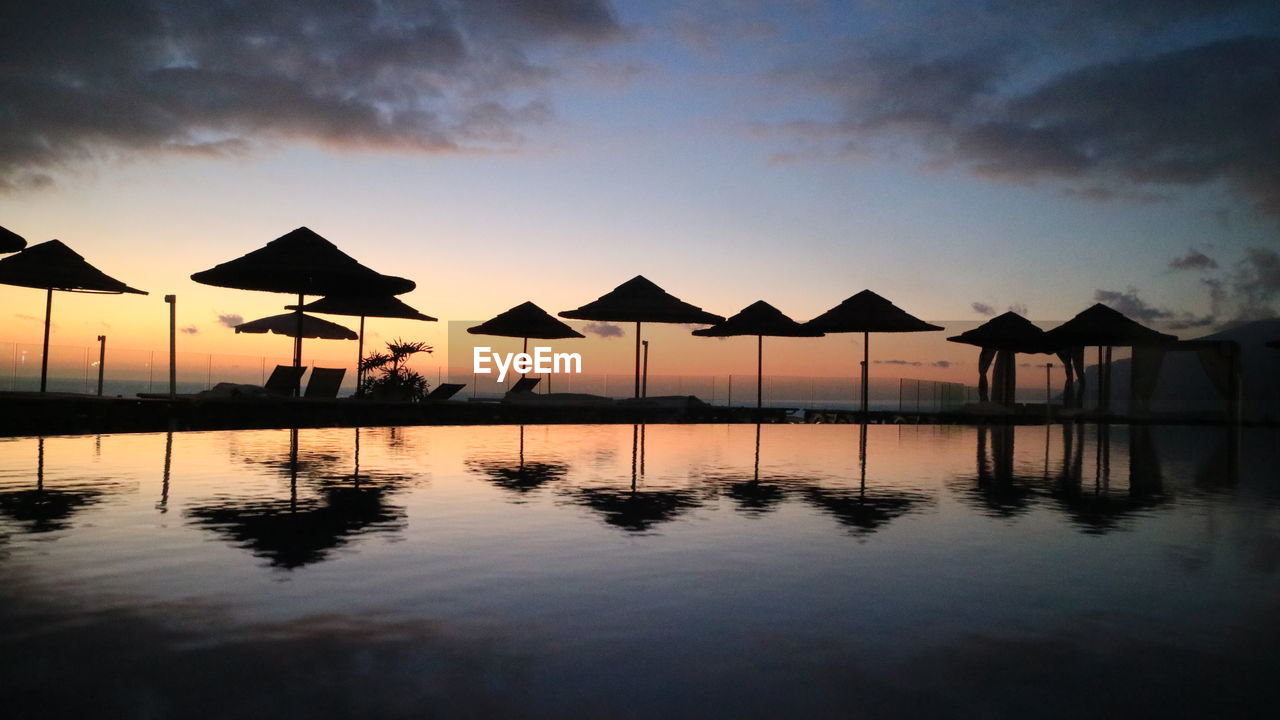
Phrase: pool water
pixel 641 571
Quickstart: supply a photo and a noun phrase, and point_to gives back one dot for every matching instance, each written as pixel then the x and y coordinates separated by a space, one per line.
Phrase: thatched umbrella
pixel 384 306
pixel 54 266
pixel 1102 327
pixel 285 324
pixel 1001 338
pixel 759 319
pixel 866 313
pixel 302 263
pixel 11 241
pixel 638 300
pixel 525 321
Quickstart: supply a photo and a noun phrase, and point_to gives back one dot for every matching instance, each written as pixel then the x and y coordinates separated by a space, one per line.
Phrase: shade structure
pixel 11 241
pixel 303 263
pixel 1001 338
pixel 525 321
pixel 1102 327
pixel 866 313
pixel 286 324
pixel 54 266
pixel 639 300
pixel 759 319
pixel 362 306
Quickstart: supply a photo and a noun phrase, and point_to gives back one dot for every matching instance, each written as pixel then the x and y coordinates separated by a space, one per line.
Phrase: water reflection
pixel 861 512
pixel 296 532
pixel 636 510
pixel 43 510
pixel 520 477
pixel 1089 494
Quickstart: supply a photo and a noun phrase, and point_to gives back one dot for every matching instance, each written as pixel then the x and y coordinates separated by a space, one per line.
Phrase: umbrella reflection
pixel 862 512
pixel 297 532
pixel 1100 509
pixel 41 510
pixel 754 497
pixel 520 478
pixel 637 510
pixel 996 489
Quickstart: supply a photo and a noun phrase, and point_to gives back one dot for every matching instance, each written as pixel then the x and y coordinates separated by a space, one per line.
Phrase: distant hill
pixel 1183 387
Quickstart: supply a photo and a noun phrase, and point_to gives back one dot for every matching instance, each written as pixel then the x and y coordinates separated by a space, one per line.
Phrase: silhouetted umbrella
pixel 1001 337
pixel 11 241
pixel 866 313
pixel 54 266
pixel 302 263
pixel 286 324
pixel 384 306
pixel 525 321
pixel 638 300
pixel 759 319
pixel 1102 326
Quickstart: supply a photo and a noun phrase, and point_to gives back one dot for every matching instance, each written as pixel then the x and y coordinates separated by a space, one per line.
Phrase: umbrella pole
pixel 360 358
pixel 759 371
pixel 525 350
pixel 865 356
pixel 44 354
pixel 637 359
pixel 297 342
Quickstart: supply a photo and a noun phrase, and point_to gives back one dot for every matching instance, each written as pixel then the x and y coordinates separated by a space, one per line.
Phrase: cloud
pixel 603 329
pixel 1019 308
pixel 983 309
pixel 190 330
pixel 944 363
pixel 84 79
pixel 34 319
pixel 911 363
pixel 230 320
pixel 1130 304
pixel 1102 103
pixel 1193 260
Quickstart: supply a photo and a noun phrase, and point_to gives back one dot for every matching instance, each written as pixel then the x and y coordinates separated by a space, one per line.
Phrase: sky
pixel 959 158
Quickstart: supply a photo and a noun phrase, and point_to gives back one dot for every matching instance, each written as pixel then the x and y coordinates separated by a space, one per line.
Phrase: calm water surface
pixel 659 571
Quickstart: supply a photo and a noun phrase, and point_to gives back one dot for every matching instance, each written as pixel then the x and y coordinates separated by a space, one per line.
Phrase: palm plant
pixel 385 376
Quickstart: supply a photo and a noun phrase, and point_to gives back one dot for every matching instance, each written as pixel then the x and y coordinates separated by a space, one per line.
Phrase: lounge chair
pixel 523 385
pixel 444 391
pixel 324 382
pixel 284 380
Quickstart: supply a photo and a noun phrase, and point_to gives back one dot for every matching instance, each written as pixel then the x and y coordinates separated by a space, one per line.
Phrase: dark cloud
pixel 943 363
pixel 912 363
pixel 603 329
pixel 190 330
pixel 83 79
pixel 1193 260
pixel 230 320
pixel 1108 101
pixel 982 308
pixel 1131 305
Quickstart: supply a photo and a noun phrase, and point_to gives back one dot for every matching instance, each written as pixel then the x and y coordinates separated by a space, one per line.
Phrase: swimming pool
pixel 640 571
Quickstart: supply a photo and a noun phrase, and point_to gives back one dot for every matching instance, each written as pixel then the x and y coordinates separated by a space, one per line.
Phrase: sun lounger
pixel 284 380
pixel 324 382
pixel 523 385
pixel 444 391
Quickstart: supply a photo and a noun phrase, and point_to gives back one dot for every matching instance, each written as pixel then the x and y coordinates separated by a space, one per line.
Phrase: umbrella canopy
pixel 287 324
pixel 1103 326
pixel 759 319
pixel 525 320
pixel 54 266
pixel 11 241
pixel 866 313
pixel 304 263
pixel 363 306
pixel 638 300
pixel 1009 331
pixel 383 306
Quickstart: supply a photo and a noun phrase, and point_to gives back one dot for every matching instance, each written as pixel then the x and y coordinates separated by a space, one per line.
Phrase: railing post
pixel 102 360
